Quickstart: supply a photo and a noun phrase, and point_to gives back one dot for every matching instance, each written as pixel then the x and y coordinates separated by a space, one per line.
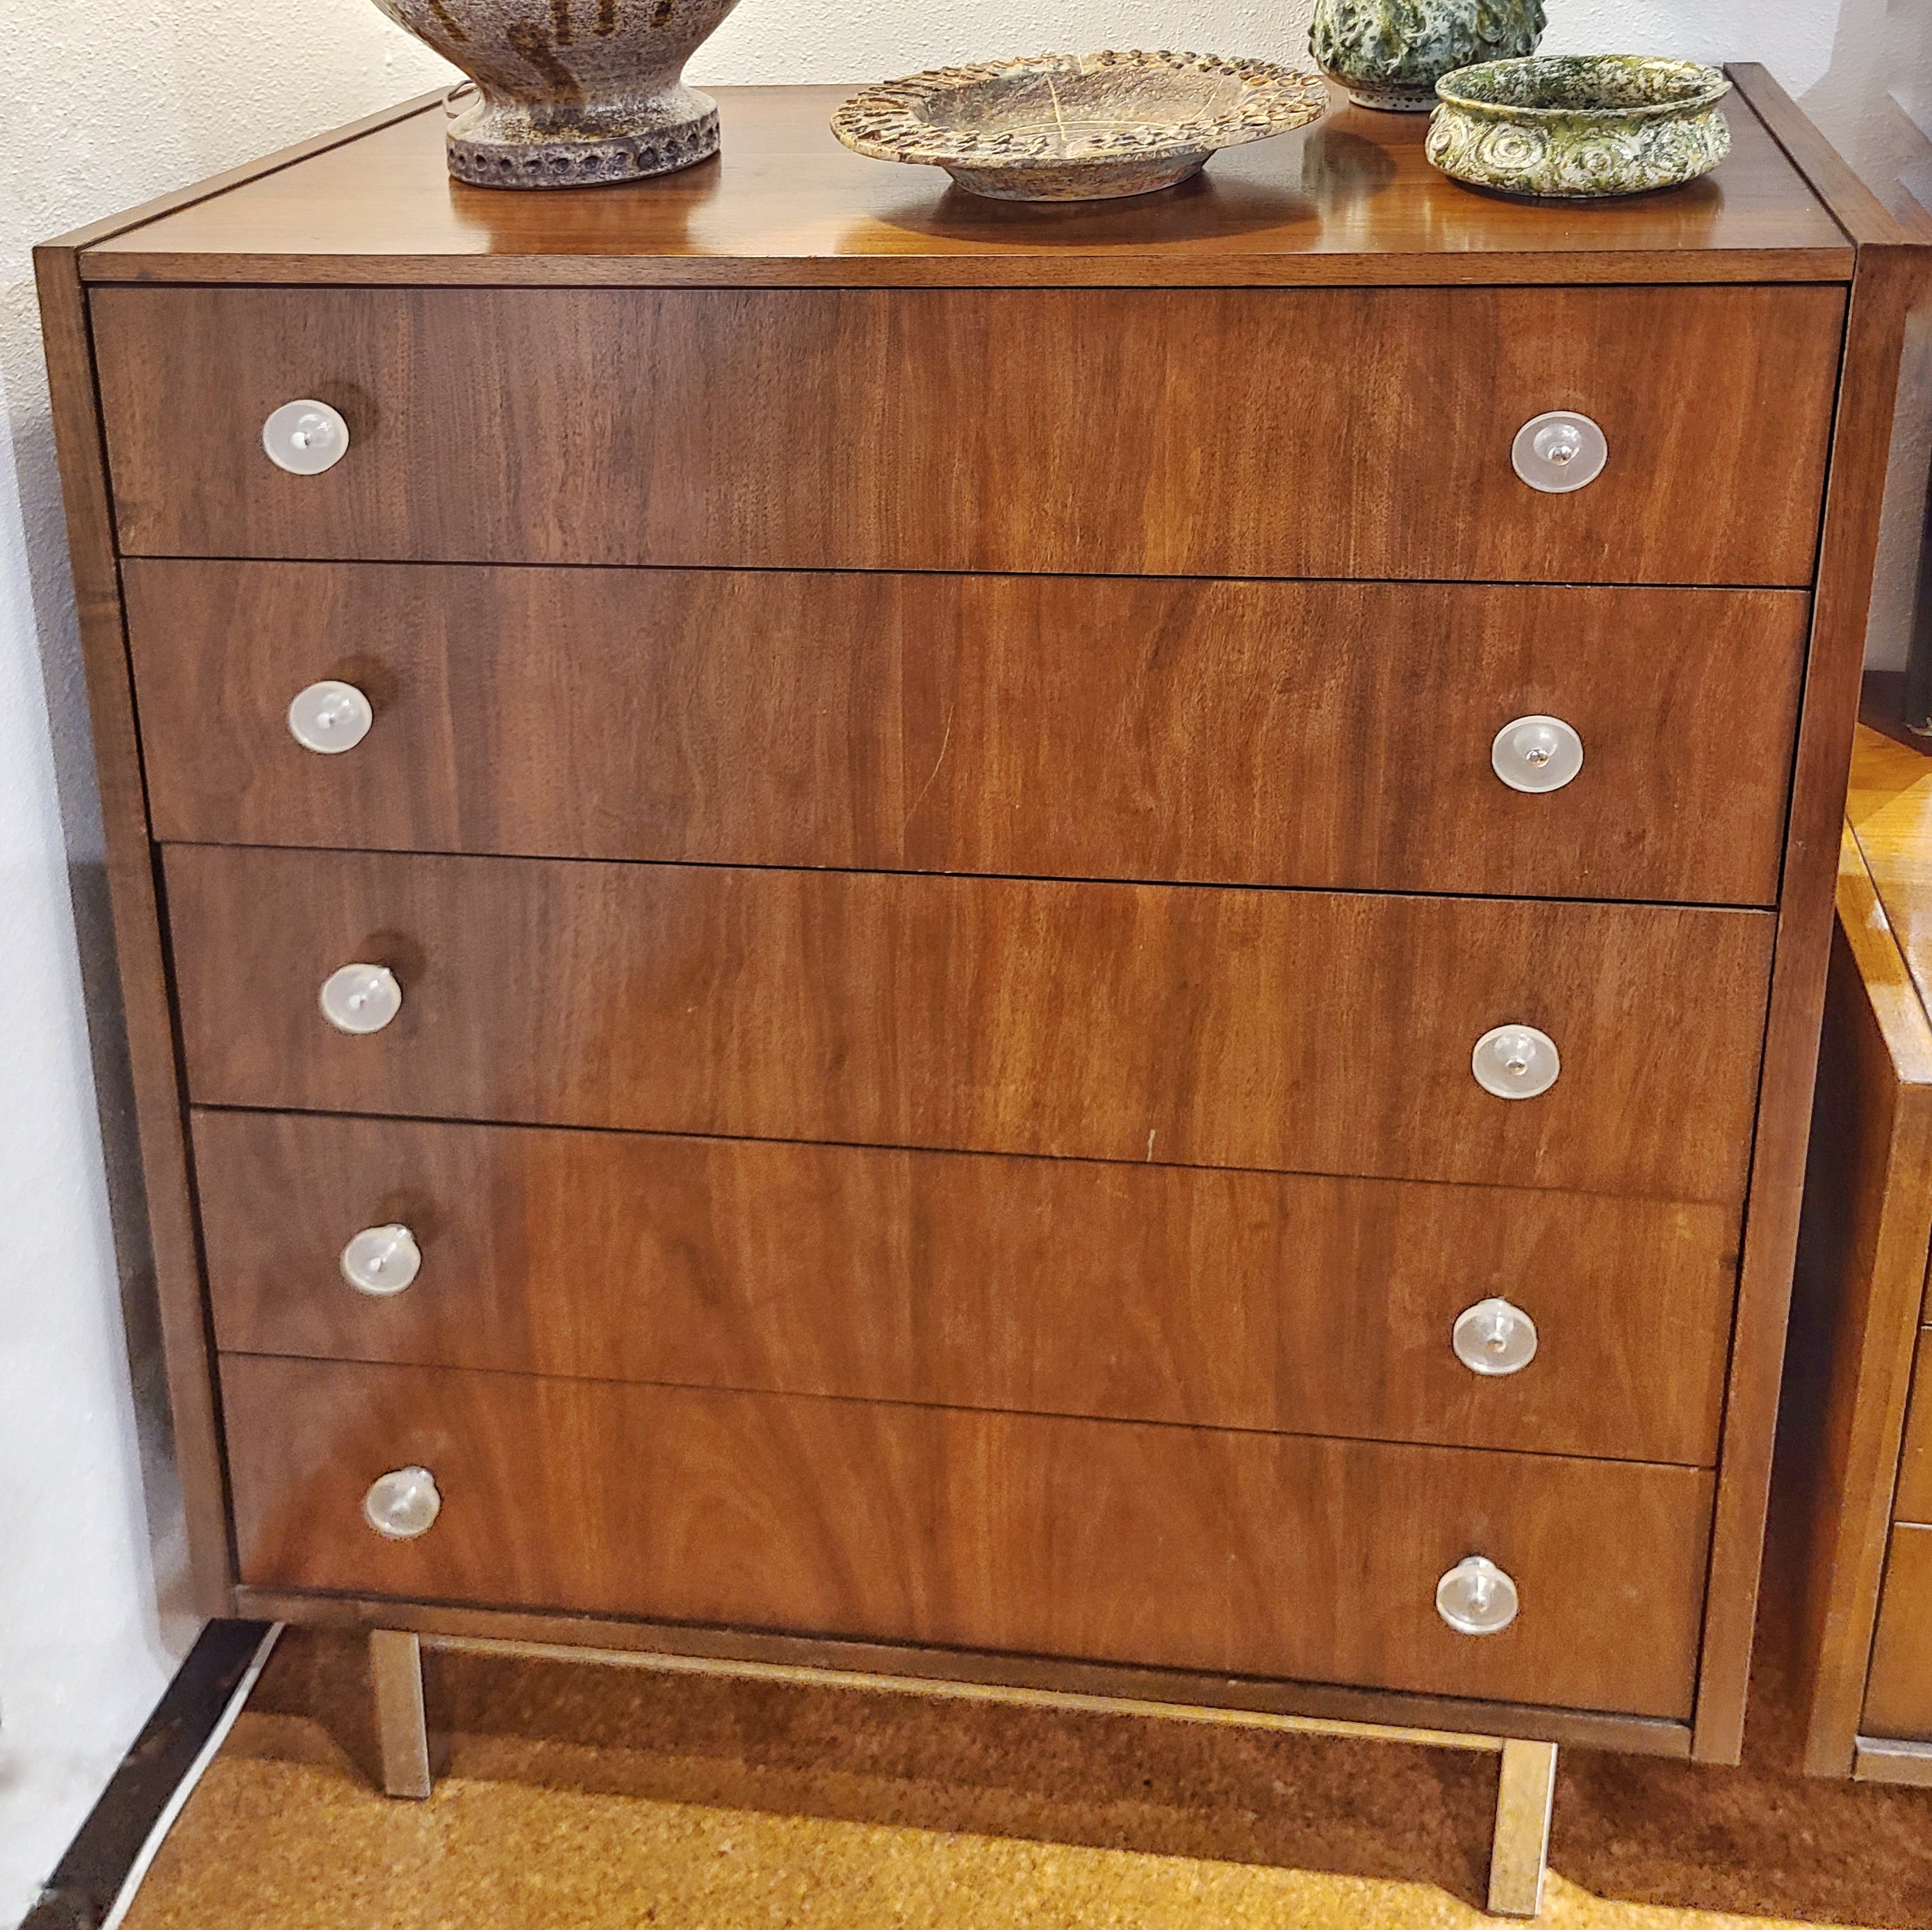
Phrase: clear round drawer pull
pixel 381 1260
pixel 1516 1062
pixel 330 718
pixel 305 438
pixel 1476 1598
pixel 361 997
pixel 1493 1337
pixel 403 1504
pixel 1559 452
pixel 1534 754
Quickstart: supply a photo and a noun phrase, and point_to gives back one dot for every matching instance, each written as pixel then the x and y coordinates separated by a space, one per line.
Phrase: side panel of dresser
pixel 1890 284
pixel 1860 1280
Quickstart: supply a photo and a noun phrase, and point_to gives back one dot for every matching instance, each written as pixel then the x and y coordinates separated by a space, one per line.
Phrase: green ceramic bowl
pixel 1576 127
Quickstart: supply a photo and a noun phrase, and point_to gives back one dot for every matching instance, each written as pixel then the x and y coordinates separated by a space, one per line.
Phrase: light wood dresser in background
pixel 1856 1467
pixel 869 937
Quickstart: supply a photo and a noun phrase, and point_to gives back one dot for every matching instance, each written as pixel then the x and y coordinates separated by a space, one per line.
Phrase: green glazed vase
pixel 1390 53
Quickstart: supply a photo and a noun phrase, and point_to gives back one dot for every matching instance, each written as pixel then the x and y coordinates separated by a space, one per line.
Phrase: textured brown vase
pixel 571 91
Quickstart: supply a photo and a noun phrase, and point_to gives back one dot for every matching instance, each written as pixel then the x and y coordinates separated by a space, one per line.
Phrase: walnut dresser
pixel 1074 952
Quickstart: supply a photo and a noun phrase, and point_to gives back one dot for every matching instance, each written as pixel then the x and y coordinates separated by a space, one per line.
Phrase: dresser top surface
pixel 1351 200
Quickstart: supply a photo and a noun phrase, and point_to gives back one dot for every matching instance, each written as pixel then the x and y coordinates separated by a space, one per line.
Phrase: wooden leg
pixel 401 1723
pixel 1524 1791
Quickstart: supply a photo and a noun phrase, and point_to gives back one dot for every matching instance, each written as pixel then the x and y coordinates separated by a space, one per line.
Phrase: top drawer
pixel 1357 433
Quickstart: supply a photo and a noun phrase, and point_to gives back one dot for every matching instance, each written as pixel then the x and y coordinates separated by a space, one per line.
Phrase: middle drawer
pixel 1327 734
pixel 1297 1030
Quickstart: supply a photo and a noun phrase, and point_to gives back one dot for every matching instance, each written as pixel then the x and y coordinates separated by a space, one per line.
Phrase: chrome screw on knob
pixel 403 1504
pixel 1560 453
pixel 1476 1598
pixel 361 998
pixel 1494 1338
pixel 382 1260
pixel 305 437
pixel 1516 1062
pixel 330 718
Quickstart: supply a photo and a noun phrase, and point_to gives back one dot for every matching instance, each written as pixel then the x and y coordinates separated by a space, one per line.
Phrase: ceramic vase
pixel 570 92
pixel 1390 53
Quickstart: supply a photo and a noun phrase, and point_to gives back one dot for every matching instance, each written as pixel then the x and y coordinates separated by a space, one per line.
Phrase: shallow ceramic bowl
pixel 1579 127
pixel 1077 127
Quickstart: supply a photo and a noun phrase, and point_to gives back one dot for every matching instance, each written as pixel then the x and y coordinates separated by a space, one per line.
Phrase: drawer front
pixel 1297 1030
pixel 1242 1300
pixel 1912 1501
pixel 1898 1692
pixel 1318 433
pixel 1326 734
pixel 1251 1554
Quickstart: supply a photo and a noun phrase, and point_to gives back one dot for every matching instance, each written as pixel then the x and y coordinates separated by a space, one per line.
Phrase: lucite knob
pixel 1560 452
pixel 330 718
pixel 1476 1598
pixel 1537 754
pixel 305 438
pixel 1493 1337
pixel 403 1504
pixel 361 997
pixel 1516 1062
pixel 381 1260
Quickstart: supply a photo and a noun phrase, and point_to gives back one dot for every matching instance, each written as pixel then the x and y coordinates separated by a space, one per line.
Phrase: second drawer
pixel 1327 734
pixel 1257 1301
pixel 1294 1030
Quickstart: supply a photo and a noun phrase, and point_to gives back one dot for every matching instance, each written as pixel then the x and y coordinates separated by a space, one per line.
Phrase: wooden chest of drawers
pixel 982 1013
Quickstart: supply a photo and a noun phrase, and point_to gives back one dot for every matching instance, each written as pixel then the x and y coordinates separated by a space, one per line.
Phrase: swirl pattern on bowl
pixel 1580 127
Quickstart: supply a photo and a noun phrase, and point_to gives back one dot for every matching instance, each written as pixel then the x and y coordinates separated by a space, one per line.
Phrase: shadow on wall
pixel 1874 104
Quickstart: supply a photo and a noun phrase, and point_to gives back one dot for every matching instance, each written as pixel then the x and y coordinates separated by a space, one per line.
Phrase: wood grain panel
pixel 1913 1500
pixel 1046 726
pixel 1333 433
pixel 154 1230
pixel 1251 1554
pixel 1860 1278
pixel 1153 1293
pixel 1171 1025
pixel 1352 200
pixel 1898 1698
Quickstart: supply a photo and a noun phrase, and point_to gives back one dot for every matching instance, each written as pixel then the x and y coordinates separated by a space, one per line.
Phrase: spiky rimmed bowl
pixel 1580 127
pixel 1077 127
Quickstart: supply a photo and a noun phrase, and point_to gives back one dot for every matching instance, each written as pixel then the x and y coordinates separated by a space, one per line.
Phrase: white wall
pixel 104 106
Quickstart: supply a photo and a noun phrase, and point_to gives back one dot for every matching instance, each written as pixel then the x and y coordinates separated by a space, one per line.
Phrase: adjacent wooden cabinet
pixel 862 928
pixel 1858 1444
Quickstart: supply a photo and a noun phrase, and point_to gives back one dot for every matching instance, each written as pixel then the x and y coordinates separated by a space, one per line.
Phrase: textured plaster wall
pixel 99 107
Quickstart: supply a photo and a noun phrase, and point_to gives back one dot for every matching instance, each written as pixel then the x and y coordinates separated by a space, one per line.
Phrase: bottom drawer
pixel 1241 1553
pixel 1898 1693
